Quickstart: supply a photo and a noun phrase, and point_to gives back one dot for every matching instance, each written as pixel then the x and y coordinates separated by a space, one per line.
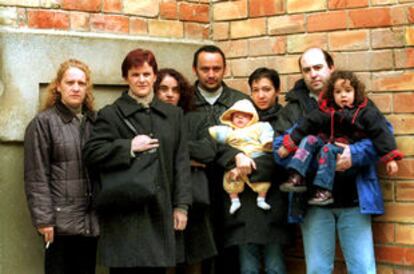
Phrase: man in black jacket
pixel 213 97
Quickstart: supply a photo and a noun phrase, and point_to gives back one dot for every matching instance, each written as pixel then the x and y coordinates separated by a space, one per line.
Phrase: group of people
pixel 312 161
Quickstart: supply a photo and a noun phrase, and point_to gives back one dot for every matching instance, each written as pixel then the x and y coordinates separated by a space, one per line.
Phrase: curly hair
pixel 186 101
pixel 54 96
pixel 358 86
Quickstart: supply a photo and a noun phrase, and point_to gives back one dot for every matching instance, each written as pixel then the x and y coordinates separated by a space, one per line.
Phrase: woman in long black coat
pixel 140 239
pixel 196 243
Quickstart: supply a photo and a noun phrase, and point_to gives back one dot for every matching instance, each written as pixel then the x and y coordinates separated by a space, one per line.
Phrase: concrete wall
pixel 29 59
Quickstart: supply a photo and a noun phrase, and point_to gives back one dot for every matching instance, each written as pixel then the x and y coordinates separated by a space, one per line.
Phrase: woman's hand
pixel 392 167
pixel 180 219
pixel 142 143
pixel 194 163
pixel 283 152
pixel 47 233
pixel 244 164
pixel 344 160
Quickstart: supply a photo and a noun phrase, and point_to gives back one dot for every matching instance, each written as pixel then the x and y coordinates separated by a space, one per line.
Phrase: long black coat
pixel 197 241
pixel 143 237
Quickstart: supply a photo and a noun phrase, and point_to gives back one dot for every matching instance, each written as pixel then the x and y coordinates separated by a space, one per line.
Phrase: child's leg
pixel 261 188
pixel 233 188
pixel 304 155
pixel 326 166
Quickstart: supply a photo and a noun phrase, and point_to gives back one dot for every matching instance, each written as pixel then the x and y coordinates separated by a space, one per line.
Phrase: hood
pixel 245 106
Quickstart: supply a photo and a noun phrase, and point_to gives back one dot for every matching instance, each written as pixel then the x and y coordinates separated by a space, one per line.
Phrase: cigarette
pixel 47 245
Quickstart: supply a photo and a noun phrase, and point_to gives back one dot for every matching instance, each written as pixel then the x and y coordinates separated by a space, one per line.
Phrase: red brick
pixel 405 233
pixel 248 28
pixel 405 191
pixel 398 212
pixel 79 21
pixel 409 36
pixel 112 6
pixel 83 5
pixel 383 269
pixel 286 24
pixel 382 101
pixel 387 188
pixel 301 42
pixel 406 167
pixel 109 23
pixel 403 124
pixel 403 271
pixel 393 81
pixel 196 31
pixel 168 10
pixel 399 16
pixel 370 18
pixel 234 48
pixel 284 64
pixel 345 4
pixel 221 31
pixel 166 28
pixel 194 12
pixel 404 102
pixel 243 67
pixel 327 21
pixel 294 6
pixel 230 10
pixel 395 255
pixel 406 145
pixel 411 14
pixel 348 40
pixel 145 8
pixel 383 232
pixel 266 7
pixel 239 84
pixel 45 19
pixel 267 46
pixel 387 38
pixel 383 2
pixel 138 26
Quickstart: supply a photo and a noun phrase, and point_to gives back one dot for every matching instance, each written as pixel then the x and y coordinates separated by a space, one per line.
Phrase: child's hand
pixel 268 147
pixel 283 152
pixel 392 167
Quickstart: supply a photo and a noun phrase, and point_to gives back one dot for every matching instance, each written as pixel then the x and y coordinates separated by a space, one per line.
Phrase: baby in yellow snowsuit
pixel 242 130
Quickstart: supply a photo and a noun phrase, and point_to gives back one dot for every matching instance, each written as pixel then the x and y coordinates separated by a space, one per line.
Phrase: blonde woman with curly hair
pixel 58 186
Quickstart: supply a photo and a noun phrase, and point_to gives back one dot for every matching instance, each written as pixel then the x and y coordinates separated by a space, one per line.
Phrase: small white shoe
pixel 235 205
pixel 262 204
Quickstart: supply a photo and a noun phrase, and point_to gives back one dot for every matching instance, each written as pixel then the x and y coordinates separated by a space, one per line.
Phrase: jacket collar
pixel 224 98
pixel 67 115
pixel 128 106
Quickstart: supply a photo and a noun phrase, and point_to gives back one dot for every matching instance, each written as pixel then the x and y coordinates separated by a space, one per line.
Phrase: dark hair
pixel 137 58
pixel 186 101
pixel 354 82
pixel 211 49
pixel 263 72
pixel 328 58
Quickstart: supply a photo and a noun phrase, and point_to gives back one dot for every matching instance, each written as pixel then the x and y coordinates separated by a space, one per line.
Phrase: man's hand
pixel 244 164
pixel 143 142
pixel 392 167
pixel 344 160
pixel 47 233
pixel 283 152
pixel 180 219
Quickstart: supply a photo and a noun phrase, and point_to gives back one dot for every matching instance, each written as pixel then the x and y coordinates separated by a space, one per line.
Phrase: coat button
pixel 58 209
pixel 88 231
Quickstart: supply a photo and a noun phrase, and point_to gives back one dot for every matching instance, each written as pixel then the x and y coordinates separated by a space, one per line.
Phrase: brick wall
pixel 375 38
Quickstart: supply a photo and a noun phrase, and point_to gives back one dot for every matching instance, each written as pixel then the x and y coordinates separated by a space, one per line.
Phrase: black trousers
pixel 137 270
pixel 71 255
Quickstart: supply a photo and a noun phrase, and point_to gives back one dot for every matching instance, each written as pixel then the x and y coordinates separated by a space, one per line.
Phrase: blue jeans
pixel 355 237
pixel 310 147
pixel 251 254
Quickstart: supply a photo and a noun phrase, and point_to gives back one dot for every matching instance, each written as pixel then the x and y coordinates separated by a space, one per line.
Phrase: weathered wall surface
pixel 375 38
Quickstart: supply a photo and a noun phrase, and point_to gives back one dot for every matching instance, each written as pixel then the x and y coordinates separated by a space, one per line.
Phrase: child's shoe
pixel 295 183
pixel 322 197
pixel 235 205
pixel 262 203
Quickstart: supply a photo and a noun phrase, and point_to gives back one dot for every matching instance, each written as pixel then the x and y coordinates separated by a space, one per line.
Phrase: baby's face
pixel 344 93
pixel 241 119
